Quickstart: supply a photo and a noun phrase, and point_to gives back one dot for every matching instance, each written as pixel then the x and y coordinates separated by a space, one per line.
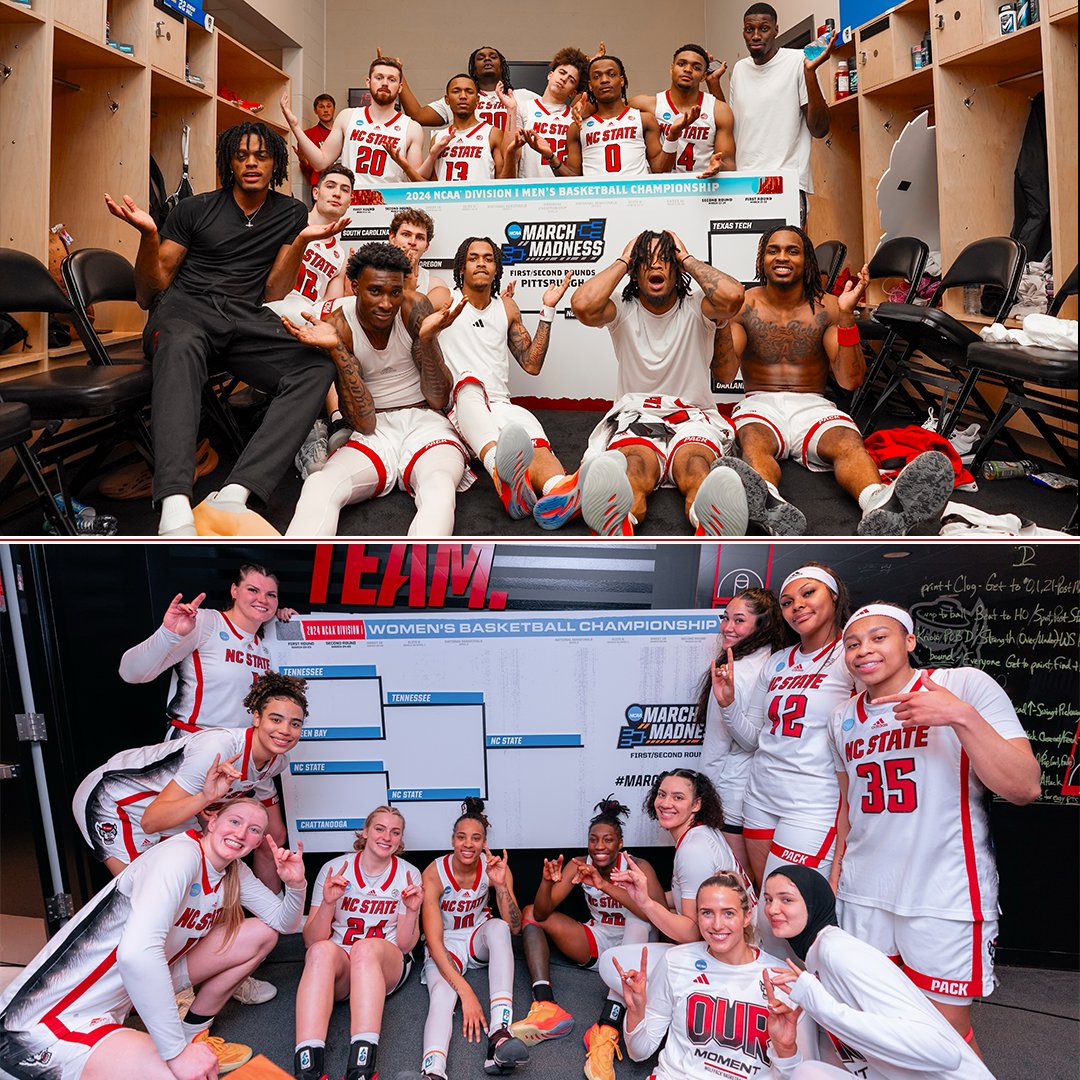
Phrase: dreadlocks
pixel 622 71
pixel 504 67
pixel 228 146
pixel 642 257
pixel 813 290
pixel 462 254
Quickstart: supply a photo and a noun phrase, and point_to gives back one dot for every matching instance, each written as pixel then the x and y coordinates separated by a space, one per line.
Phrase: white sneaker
pixel 917 495
pixel 964 441
pixel 254 991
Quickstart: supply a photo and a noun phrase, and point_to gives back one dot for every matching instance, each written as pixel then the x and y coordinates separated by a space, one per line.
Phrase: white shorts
pixel 949 960
pixel 461 947
pixel 797 422
pixel 503 413
pixel 109 816
pixel 662 424
pixel 294 306
pixel 604 936
pixel 400 437
pixel 38 1052
pixel 406 968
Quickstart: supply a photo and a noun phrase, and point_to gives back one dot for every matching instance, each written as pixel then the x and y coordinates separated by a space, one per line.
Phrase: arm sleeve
pixel 161 650
pixel 645 1038
pixel 746 715
pixel 280 912
pixel 894 1033
pixel 440 106
pixel 156 896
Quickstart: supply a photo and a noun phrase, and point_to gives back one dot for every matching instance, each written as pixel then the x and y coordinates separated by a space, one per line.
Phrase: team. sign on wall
pixel 541 713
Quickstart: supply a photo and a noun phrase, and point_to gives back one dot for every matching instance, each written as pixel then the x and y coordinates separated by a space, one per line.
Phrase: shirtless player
pixel 788 337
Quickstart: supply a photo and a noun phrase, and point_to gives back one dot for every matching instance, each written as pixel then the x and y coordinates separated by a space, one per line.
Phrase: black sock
pixel 361 1061
pixel 195 1020
pixel 309 1060
pixel 541 991
pixel 612 1014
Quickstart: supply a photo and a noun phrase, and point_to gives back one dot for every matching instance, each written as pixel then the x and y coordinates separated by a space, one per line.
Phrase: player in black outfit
pixel 204 277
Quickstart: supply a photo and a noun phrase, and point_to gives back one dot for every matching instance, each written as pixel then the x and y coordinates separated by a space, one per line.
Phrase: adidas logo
pixel 480 323
pixel 703 979
pixel 882 722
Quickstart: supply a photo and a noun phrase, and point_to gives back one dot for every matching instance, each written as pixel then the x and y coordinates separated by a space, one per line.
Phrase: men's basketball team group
pixel 382 376
pixel 832 908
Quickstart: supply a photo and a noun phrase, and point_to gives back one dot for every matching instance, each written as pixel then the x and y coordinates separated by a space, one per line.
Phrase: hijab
pixel 820 905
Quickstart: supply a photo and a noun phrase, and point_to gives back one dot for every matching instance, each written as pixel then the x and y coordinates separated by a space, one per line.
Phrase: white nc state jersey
pixel 468 157
pixel 614 147
pixel 700 853
pixel 697 142
pixel 117 950
pixel 322 262
pixel 793 703
pixel 464 905
pixel 551 122
pixel 715 1015
pixel 213 669
pixel 365 150
pixel 920 840
pixel 390 374
pixel 474 347
pixel 606 910
pixel 369 907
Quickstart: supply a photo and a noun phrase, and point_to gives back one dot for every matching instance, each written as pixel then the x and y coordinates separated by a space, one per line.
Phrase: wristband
pixel 547 314
pixel 625 262
pixel 848 335
pixel 669 147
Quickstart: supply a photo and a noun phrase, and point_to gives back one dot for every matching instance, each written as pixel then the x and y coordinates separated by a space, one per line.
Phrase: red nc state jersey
pixel 369 906
pixel 323 260
pixel 468 157
pixel 614 147
pixel 365 151
pixel 464 904
pixel 920 841
pixel 795 698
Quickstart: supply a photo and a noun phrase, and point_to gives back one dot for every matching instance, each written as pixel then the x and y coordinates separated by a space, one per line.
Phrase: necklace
pixel 249 218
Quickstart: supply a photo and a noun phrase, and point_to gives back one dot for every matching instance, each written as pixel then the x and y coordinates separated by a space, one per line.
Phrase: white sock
pixel 633 520
pixel 866 496
pixel 365 1036
pixel 335 416
pixel 318 1044
pixel 549 484
pixel 175 512
pixel 489 461
pixel 692 515
pixel 234 493
pixel 191 1030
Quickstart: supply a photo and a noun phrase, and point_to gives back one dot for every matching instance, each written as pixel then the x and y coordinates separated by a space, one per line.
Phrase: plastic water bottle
pixel 1005 470
pixel 88 522
pixel 821 42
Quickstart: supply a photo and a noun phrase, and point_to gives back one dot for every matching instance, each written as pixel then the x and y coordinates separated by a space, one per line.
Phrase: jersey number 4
pixel 786 714
pixel 888 786
pixel 356 931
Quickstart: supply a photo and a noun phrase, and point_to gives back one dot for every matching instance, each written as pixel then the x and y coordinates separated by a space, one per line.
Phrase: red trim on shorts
pixel 969 841
pixel 928 984
pixel 380 468
pixel 757 418
pixel 804 858
pixel 197 662
pixel 183 725
pixel 758 834
pixel 457 963
pixel 813 430
pixel 636 440
pixel 423 450
pixel 125 821
pixel 697 440
pixel 897 959
pixel 52 1018
pixel 465 382
pixel 594 952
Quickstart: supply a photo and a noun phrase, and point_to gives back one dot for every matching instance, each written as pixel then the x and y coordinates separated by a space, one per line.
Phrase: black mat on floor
pixel 829 511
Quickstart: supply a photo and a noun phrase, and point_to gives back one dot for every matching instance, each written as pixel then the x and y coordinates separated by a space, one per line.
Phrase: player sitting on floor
pixel 788 336
pixel 614 920
pixel 360 933
pixel 461 933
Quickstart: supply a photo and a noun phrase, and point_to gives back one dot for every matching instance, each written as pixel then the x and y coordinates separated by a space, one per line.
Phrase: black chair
pixel 830 259
pixel 903 257
pixel 94 275
pixel 109 401
pixel 15 431
pixel 1030 374
pixel 998 261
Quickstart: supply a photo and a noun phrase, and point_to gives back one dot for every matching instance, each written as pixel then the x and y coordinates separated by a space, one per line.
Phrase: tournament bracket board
pixel 541 714
pixel 547 228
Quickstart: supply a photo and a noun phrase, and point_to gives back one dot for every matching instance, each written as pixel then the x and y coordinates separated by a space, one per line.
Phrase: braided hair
pixel 504 67
pixel 641 258
pixel 228 146
pixel 610 812
pixel 813 290
pixel 711 812
pixel 622 71
pixel 462 254
pixel 472 809
pixel 272 684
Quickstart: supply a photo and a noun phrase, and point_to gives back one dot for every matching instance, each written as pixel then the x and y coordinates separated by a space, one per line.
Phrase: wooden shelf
pixel 164 84
pixel 1069 15
pixel 919 82
pixel 17 359
pixel 74 51
pixel 11 12
pixel 841 106
pixel 1003 53
pixel 229 114
pixel 116 337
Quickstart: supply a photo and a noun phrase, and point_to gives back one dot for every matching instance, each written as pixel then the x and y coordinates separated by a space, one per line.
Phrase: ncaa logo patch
pixel 701 965
pixel 194 890
pixel 780 665
pixel 447 890
pixel 849 723
pixel 223 635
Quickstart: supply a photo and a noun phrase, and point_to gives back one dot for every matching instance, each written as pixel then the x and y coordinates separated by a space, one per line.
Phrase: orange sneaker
pixel 545 1021
pixel 230 1055
pixel 601 1049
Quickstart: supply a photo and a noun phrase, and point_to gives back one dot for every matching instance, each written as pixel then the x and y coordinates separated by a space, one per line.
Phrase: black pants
pixel 188 336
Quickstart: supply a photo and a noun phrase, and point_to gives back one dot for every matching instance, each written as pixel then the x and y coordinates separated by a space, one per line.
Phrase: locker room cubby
pixel 79 118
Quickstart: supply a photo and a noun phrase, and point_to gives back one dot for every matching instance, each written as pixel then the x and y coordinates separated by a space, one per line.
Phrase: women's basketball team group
pixel 832 907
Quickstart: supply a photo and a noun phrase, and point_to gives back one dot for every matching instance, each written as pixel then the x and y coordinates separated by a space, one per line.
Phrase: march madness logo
pixel 551 241
pixel 661 725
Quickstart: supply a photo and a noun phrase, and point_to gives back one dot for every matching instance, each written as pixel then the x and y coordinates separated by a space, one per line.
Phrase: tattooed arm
pixel 435 380
pixel 529 352
pixel 723 294
pixel 333 336
pixel 729 341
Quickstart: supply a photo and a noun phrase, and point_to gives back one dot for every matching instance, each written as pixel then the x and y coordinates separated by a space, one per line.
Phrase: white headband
pixel 888 610
pixel 815 573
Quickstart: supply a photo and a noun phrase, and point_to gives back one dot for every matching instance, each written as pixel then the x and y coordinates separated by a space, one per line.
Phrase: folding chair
pixel 15 432
pixel 830 257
